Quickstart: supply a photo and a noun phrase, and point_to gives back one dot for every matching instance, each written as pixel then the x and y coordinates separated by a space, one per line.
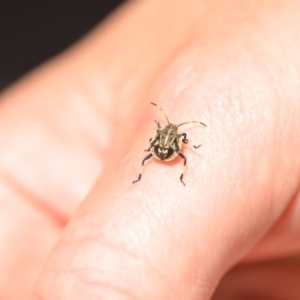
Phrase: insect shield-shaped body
pixel 166 143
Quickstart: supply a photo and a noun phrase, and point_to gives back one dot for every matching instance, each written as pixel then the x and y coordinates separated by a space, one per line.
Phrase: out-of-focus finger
pixel 57 127
pixel 278 279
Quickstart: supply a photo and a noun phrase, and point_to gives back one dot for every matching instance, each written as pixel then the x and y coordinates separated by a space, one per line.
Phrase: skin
pixel 72 135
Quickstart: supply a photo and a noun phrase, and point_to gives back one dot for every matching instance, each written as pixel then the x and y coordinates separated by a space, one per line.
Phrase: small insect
pixel 166 143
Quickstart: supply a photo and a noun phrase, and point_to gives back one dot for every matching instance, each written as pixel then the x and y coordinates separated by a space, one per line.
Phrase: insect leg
pixel 158 125
pixel 143 162
pixel 147 150
pixel 185 140
pixel 184 166
pixel 152 142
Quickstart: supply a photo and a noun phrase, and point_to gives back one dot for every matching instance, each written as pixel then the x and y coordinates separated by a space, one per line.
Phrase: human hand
pixel 232 65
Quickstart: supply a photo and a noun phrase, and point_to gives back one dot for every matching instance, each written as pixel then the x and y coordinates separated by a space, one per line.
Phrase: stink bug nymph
pixel 166 143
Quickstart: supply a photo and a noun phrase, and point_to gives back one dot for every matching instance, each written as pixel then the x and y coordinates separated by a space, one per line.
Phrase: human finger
pixel 56 129
pixel 272 279
pixel 160 240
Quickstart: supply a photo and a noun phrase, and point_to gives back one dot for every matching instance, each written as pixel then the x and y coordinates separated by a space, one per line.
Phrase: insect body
pixel 166 143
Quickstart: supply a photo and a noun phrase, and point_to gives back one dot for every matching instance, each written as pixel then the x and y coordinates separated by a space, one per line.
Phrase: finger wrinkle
pixel 83 283
pixel 26 195
pixel 99 283
pixel 93 268
pixel 74 251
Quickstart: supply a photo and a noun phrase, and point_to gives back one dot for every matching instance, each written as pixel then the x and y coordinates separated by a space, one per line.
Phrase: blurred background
pixel 32 31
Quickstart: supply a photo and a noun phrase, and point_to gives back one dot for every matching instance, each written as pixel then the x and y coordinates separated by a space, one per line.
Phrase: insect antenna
pixel 161 111
pixel 191 122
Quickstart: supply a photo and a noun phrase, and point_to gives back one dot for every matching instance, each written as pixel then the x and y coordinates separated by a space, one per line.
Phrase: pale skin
pixel 72 135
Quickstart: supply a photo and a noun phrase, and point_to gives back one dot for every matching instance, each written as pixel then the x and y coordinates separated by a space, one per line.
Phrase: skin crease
pixel 76 128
